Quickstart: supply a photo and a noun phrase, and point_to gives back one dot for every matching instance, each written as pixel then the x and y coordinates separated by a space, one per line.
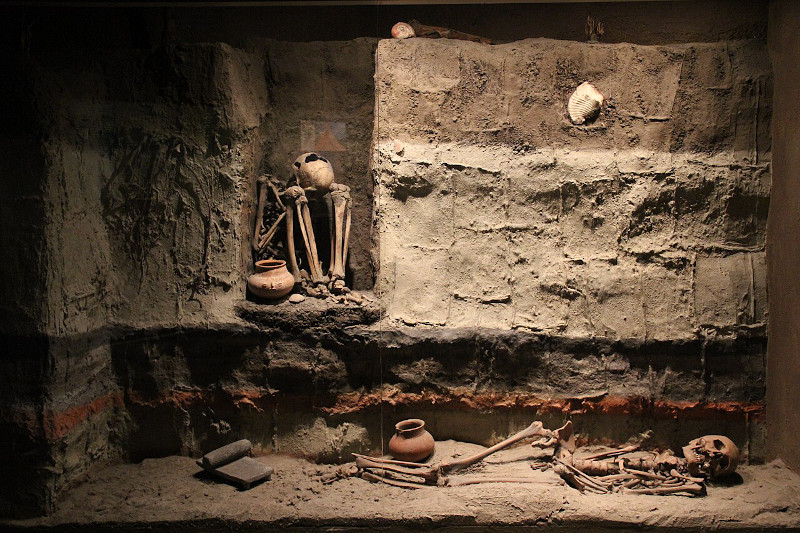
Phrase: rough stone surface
pixel 495 211
pixel 170 493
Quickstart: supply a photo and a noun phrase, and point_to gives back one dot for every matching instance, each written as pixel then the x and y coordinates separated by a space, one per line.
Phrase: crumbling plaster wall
pixel 783 239
pixel 495 211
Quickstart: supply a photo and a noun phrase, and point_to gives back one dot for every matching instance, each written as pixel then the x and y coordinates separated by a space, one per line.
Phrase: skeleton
pixel 613 471
pixel 315 179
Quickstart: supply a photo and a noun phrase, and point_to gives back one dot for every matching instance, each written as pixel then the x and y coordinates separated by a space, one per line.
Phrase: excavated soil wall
pixel 526 269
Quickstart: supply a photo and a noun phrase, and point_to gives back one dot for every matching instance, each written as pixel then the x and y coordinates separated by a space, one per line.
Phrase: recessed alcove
pixel 633 276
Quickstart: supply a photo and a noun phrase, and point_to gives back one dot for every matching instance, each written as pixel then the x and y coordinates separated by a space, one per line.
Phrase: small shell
pixel 401 30
pixel 584 104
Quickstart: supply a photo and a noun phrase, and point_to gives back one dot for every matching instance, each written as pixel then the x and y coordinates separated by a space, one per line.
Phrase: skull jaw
pixel 711 456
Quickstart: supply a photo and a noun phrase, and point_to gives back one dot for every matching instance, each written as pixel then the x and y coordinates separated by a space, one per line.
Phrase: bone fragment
pixel 693 488
pixel 267 238
pixel 395 482
pixel 431 473
pixel 262 199
pixel 277 195
pixel 314 259
pixel 648 475
pixel 389 461
pixel 460 481
pixel 346 244
pixel 611 453
pixel 534 430
pixel 421 30
pixel 675 473
pixel 340 195
pixel 290 240
pixel 301 204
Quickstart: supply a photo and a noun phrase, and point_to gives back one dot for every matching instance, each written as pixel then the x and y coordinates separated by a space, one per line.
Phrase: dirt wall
pixel 783 239
pixel 495 211
pixel 128 183
pixel 131 209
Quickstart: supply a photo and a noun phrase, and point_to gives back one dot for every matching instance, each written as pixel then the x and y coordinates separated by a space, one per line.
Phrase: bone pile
pixel 314 178
pixel 626 470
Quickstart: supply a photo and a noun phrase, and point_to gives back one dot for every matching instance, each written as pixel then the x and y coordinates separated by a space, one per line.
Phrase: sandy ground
pixel 173 493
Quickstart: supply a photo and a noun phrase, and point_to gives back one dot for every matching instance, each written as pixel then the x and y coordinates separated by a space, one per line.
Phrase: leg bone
pixel 290 205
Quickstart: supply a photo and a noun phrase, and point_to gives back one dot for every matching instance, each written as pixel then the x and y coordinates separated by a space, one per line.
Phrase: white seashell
pixel 584 104
pixel 402 30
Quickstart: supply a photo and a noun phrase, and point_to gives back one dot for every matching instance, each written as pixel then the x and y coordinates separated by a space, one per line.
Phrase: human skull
pixel 711 456
pixel 313 171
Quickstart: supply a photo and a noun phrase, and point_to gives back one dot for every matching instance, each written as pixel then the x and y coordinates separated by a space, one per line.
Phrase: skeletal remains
pixel 315 179
pixel 708 457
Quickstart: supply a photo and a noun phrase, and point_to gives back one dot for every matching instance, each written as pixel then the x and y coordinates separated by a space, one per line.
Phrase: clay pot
pixel 271 280
pixel 411 442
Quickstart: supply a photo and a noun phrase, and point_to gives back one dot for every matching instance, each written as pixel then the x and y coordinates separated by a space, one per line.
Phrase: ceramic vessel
pixel 411 442
pixel 271 280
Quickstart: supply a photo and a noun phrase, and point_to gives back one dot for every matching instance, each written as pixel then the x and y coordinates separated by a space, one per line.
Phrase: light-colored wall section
pixel 495 211
pixel 783 239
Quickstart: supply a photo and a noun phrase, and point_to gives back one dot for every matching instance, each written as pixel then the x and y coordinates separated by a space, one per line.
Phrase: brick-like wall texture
pixel 494 210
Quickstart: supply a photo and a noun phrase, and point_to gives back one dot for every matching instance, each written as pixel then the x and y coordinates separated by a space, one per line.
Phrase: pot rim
pixel 270 264
pixel 412 424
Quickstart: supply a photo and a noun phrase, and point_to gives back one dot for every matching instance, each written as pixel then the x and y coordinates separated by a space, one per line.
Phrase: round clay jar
pixel 411 442
pixel 272 280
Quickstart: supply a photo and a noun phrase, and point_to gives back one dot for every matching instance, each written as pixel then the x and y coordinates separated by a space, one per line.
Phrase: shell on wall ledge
pixel 584 103
pixel 402 30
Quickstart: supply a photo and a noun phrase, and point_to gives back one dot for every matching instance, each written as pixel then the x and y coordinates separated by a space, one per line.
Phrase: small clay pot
pixel 411 442
pixel 271 280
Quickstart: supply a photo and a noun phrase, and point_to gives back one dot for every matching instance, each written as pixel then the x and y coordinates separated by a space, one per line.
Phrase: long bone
pixel 340 194
pixel 316 277
pixel 290 207
pixel 332 228
pixel 296 195
pixel 267 238
pixel 434 474
pixel 262 199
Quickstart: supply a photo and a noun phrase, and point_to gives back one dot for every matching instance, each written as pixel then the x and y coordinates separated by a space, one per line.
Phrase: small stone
pixel 296 298
pixel 311 291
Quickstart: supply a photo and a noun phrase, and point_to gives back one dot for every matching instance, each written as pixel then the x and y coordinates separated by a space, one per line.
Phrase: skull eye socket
pixel 723 462
pixel 297 164
pixel 311 157
pixel 718 444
